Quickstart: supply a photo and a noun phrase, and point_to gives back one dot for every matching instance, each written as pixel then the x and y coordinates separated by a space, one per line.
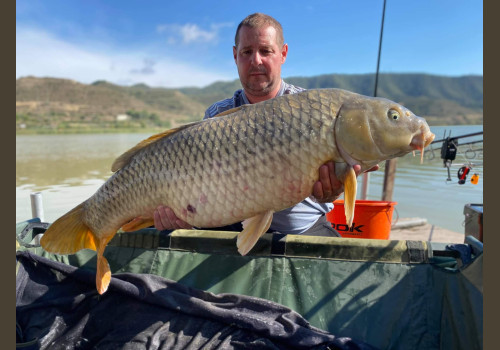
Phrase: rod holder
pixel 37 205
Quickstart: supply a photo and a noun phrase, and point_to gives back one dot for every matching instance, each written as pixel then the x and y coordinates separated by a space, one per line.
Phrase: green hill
pixel 61 105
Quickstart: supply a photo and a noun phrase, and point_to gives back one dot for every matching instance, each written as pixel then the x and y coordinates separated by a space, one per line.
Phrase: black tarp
pixel 57 307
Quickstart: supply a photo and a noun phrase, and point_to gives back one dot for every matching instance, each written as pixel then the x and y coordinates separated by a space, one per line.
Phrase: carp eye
pixel 393 114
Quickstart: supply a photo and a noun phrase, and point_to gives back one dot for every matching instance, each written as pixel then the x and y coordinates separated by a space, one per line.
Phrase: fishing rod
pixel 390 164
pixel 458 137
pixel 379 51
pixel 462 144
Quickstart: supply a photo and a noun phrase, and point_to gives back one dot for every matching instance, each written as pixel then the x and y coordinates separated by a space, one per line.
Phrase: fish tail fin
pixel 253 229
pixel 103 275
pixel 350 189
pixel 69 234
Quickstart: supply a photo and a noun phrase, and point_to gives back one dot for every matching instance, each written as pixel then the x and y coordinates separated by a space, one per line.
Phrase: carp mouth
pixel 422 139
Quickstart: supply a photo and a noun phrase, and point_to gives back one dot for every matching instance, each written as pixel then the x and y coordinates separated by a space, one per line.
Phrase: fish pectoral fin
pixel 350 189
pixel 103 275
pixel 137 224
pixel 253 229
pixel 69 234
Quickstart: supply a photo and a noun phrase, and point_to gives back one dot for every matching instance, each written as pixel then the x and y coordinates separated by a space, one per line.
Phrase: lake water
pixel 67 169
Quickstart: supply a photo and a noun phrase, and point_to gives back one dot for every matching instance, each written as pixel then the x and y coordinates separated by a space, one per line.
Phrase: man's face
pixel 259 60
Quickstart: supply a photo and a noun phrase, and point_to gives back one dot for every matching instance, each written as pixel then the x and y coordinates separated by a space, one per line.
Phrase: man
pixel 259 52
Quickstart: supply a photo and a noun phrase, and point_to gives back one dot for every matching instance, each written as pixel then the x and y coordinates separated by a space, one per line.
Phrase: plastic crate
pixel 474 220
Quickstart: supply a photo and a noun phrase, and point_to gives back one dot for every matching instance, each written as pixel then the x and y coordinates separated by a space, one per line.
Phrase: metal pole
pixel 389 176
pixel 379 50
pixel 366 176
pixel 390 165
pixel 364 185
pixel 37 205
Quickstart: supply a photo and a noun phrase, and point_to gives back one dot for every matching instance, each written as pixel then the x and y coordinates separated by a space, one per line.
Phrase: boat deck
pixel 423 231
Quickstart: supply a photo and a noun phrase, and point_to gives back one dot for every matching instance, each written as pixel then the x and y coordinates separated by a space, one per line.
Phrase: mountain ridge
pixel 64 105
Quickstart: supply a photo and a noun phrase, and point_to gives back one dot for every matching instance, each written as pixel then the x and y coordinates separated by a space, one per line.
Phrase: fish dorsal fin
pixel 122 160
pixel 229 111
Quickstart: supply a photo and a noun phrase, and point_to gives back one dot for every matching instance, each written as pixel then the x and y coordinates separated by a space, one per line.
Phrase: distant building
pixel 122 117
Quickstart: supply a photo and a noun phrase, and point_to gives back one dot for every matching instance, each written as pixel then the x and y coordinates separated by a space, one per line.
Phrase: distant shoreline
pixel 90 131
pixel 43 131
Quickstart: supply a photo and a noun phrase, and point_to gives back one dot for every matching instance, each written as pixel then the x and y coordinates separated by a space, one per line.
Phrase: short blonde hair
pixel 259 20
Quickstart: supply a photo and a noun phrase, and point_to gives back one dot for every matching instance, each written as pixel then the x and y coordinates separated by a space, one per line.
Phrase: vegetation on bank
pixel 90 130
pixel 49 105
pixel 132 121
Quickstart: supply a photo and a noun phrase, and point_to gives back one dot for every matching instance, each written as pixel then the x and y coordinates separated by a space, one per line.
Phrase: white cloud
pixel 147 68
pixel 41 54
pixel 191 33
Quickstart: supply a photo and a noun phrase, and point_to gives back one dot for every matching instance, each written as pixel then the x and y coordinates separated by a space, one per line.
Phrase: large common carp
pixel 244 164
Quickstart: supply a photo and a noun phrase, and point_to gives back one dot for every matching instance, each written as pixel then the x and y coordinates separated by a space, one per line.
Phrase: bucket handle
pixel 397 216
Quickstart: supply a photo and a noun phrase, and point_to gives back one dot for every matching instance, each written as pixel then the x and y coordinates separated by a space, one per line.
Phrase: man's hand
pixel 328 188
pixel 165 219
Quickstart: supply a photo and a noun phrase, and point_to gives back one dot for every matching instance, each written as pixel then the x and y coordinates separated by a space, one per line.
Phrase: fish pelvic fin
pixel 137 224
pixel 125 158
pixel 350 189
pixel 253 229
pixel 103 274
pixel 69 234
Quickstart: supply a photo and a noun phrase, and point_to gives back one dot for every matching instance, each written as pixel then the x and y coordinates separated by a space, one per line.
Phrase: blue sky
pixel 172 43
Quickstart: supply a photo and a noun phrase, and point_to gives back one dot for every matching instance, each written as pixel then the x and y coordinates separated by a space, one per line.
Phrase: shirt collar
pixel 279 93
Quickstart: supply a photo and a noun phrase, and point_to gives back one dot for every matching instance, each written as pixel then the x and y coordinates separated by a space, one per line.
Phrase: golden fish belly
pixel 223 170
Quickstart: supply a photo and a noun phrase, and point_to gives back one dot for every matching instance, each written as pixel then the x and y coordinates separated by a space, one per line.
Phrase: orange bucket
pixel 372 219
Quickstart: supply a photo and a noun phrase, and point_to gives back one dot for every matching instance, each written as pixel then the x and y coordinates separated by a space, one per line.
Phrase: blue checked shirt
pixel 296 219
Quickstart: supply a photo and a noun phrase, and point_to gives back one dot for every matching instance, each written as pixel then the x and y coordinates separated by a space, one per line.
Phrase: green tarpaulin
pixel 390 294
